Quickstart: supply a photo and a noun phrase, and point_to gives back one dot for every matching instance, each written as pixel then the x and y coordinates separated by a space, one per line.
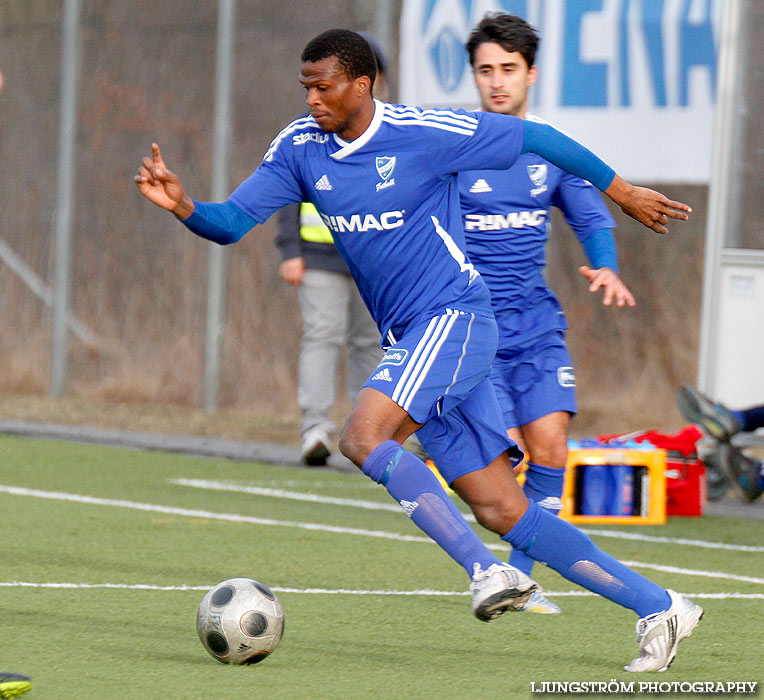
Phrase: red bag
pixel 685 474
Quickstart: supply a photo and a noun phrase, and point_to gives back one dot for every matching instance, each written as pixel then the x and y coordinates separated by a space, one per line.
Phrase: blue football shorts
pixel 438 373
pixel 534 380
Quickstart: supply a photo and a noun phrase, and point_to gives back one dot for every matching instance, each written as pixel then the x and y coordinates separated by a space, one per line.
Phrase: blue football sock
pixel 410 482
pixel 751 419
pixel 543 485
pixel 572 554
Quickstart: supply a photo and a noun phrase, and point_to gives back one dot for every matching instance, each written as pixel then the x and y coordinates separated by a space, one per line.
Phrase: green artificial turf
pixel 114 643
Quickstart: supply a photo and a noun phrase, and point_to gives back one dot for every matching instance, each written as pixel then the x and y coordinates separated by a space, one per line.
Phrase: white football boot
pixel 540 605
pixel 659 634
pixel 499 588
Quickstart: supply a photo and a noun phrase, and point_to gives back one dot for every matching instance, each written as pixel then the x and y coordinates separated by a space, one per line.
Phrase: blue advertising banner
pixel 634 80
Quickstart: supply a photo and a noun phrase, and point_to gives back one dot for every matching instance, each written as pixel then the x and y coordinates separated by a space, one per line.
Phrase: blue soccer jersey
pixel 391 201
pixel 506 219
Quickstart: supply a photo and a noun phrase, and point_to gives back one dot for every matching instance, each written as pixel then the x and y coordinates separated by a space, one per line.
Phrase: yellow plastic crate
pixel 654 461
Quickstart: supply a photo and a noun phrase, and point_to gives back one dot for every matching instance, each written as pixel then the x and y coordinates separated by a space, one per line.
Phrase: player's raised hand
pixel 612 285
pixel 162 186
pixel 647 206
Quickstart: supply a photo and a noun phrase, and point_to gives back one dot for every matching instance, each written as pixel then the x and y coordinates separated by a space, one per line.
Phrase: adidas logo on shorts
pixel 382 376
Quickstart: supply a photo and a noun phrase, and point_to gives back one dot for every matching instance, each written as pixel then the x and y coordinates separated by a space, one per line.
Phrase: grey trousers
pixel 333 316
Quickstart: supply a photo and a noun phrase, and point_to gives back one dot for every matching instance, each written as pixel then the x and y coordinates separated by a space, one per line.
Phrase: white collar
pixel 348 147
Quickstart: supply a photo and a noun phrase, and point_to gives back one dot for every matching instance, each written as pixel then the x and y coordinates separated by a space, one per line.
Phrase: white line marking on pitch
pixel 291 495
pixel 148 507
pixel 672 540
pixel 692 572
pixel 333 591
pixel 193 513
pixel 373 505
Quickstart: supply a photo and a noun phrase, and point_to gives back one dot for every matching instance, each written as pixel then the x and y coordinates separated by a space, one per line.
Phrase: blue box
pixel 607 489
pixel 621 485
pixel 595 491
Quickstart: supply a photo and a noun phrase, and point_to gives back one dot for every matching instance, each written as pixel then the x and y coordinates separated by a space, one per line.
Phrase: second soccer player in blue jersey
pixel 506 220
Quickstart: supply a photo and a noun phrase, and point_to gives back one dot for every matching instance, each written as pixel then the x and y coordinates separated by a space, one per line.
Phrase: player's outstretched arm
pixel 162 186
pixel 221 223
pixel 647 206
pixel 611 284
pixel 650 208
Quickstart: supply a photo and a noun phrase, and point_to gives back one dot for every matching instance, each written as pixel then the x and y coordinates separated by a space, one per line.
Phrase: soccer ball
pixel 240 621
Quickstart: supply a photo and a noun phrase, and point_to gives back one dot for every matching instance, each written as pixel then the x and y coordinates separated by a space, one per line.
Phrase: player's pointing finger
pixel 157 155
pixel 679 205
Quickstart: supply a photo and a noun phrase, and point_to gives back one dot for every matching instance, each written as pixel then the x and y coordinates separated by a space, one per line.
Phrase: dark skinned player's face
pixel 336 101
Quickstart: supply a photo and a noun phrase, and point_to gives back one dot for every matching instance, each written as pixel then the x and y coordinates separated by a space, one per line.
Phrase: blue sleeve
pixel 581 205
pixel 220 223
pixel 601 250
pixel 566 153
pixel 484 140
pixel 274 184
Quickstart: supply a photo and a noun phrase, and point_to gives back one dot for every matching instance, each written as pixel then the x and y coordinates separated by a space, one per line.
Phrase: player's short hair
pixel 510 32
pixel 353 52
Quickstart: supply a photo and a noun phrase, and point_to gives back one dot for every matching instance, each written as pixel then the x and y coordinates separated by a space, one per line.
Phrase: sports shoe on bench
pixel 499 588
pixel 743 472
pixel 659 634
pixel 717 420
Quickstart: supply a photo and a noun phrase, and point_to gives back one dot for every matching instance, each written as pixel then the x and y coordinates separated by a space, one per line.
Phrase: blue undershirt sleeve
pixel 566 153
pixel 601 250
pixel 221 223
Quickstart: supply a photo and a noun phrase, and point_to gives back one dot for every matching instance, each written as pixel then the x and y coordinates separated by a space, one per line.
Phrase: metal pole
pixel 42 291
pixel 383 28
pixel 67 135
pixel 221 146
pixel 724 151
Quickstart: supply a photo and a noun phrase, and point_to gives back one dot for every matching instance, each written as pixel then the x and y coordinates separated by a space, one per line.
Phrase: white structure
pixel 606 68
pixel 731 366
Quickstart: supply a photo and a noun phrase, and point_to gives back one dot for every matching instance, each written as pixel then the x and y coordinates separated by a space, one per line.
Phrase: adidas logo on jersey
pixel 382 376
pixel 480 185
pixel 323 183
pixel 409 507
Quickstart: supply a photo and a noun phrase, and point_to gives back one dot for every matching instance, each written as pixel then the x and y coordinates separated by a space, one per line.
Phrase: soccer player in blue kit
pixel 506 217
pixel 383 178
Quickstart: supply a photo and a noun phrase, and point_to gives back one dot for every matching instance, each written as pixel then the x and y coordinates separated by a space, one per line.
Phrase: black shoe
pixel 714 418
pixel 743 472
pixel 13 684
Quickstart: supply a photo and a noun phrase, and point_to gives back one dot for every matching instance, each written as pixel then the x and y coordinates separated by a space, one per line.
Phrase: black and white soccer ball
pixel 240 621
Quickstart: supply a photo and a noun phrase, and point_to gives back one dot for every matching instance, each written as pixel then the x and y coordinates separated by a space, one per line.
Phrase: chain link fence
pixel 139 279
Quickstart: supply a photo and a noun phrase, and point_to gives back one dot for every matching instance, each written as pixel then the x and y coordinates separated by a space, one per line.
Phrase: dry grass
pixel 139 279
pixel 261 425
pixel 233 424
